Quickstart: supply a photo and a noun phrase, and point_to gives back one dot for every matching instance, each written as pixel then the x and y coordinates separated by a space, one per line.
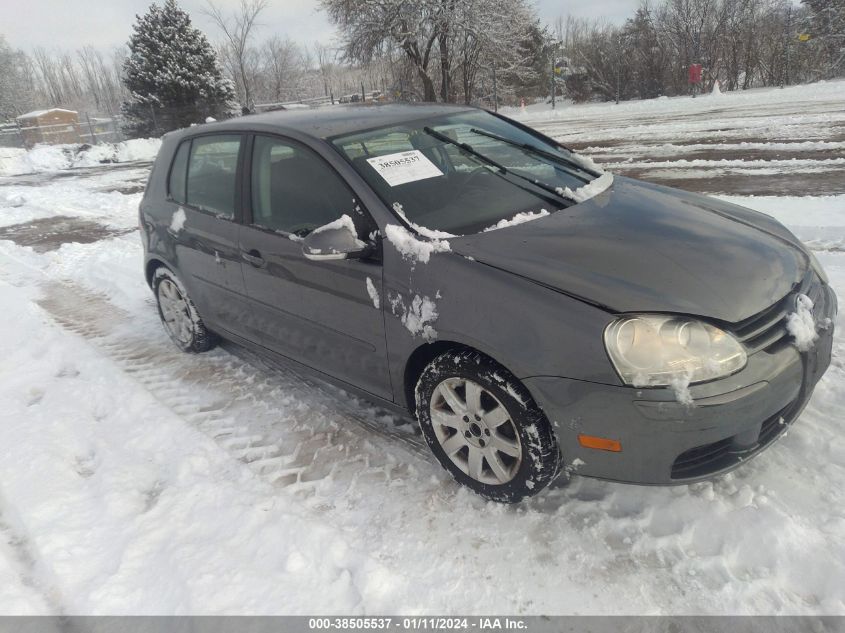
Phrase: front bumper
pixel 665 442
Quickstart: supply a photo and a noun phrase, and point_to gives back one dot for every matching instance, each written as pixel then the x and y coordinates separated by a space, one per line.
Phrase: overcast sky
pixel 71 24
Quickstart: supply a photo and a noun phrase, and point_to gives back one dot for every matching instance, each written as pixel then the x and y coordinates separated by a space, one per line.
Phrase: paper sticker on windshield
pixel 397 169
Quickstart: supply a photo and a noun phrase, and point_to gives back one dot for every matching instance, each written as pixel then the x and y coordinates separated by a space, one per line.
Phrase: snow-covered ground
pixel 136 479
pixel 47 158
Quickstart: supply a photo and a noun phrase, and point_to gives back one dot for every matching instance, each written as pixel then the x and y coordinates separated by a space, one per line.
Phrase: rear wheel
pixel 179 314
pixel 484 427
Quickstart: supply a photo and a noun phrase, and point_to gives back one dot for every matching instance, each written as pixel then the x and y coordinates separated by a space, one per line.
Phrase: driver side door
pixel 319 313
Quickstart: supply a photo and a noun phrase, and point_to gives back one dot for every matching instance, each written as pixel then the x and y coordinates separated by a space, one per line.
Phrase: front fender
pixel 530 329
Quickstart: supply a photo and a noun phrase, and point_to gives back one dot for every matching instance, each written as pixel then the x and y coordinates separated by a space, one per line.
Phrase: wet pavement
pixel 48 234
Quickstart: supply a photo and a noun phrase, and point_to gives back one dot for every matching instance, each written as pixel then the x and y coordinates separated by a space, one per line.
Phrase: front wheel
pixel 484 427
pixel 179 314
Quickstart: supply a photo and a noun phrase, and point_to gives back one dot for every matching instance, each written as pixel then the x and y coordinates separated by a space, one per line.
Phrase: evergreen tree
pixel 172 74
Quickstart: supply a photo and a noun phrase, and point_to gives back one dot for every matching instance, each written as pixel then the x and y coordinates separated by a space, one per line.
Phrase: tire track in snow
pixel 291 430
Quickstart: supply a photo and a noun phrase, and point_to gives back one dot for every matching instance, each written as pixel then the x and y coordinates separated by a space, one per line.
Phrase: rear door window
pixel 212 173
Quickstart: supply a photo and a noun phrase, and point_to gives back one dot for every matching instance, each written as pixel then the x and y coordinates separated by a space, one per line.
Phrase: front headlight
pixel 655 349
pixel 817 268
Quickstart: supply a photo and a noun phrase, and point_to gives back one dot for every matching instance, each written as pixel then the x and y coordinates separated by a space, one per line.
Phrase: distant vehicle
pixel 537 316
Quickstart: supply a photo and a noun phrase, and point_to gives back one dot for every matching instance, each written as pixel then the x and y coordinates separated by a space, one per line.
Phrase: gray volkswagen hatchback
pixel 536 315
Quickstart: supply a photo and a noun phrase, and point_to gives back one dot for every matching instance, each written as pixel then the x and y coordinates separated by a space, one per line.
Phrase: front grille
pixel 710 458
pixel 765 329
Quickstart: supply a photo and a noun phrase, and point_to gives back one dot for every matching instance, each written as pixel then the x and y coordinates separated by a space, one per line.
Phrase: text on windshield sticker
pixel 398 169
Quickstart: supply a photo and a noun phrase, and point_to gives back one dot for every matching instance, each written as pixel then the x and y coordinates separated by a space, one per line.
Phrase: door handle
pixel 254 258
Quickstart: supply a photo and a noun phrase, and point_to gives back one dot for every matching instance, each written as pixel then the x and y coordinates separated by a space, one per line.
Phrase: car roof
pixel 329 121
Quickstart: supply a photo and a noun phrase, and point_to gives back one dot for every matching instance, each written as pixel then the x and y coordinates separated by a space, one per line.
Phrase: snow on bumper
pixel 664 442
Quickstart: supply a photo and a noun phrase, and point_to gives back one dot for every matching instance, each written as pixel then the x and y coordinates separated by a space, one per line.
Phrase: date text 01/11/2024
pixel 417 623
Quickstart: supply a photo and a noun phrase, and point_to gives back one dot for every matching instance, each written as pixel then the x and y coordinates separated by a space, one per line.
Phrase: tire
pixel 505 454
pixel 179 315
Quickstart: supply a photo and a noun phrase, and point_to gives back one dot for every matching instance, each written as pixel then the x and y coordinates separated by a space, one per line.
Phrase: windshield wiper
pixel 531 149
pixel 501 169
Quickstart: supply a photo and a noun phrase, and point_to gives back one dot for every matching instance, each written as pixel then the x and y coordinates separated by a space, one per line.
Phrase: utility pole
pixel 495 91
pixel 155 123
pixel 618 65
pixel 553 80
pixel 784 79
pixel 91 129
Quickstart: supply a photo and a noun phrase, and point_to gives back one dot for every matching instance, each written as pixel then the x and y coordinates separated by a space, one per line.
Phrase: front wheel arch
pixel 151 267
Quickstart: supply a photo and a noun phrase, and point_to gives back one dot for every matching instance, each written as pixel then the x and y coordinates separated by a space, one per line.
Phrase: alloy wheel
pixel 476 431
pixel 175 312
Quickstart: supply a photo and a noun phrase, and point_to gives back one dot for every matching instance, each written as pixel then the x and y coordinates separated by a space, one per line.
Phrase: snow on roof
pixel 37 113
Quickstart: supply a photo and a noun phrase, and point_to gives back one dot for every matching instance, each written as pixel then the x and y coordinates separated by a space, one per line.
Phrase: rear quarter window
pixel 178 172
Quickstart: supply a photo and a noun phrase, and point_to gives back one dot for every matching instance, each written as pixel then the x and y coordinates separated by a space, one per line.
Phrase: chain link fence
pixel 91 129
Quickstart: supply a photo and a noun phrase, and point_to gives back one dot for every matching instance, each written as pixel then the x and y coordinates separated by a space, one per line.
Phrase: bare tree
pixel 237 30
pixel 437 37
pixel 284 67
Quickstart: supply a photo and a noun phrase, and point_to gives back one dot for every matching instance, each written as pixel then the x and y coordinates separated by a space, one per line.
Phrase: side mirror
pixel 333 241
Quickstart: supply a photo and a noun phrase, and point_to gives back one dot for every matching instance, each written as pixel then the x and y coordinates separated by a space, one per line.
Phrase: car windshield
pixel 418 169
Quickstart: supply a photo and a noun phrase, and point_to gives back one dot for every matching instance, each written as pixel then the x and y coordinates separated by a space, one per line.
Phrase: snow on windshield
pixel 440 174
pixel 422 230
pixel 590 190
pixel 519 218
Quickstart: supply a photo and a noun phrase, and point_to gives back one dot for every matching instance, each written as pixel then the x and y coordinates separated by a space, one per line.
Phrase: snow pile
pixel 590 190
pixel 585 162
pixel 519 218
pixel 410 247
pixel 801 325
pixel 47 158
pixel 138 149
pixel 15 161
pixel 177 222
pixel 374 296
pixel 418 318
pixel 716 92
pixel 91 156
pixel 11 200
pixel 422 230
pixel 10 157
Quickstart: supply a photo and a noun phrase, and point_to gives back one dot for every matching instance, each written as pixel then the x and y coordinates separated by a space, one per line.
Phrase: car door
pixel 320 313
pixel 204 226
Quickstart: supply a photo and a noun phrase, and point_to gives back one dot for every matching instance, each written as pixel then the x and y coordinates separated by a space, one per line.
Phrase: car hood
pixel 640 247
